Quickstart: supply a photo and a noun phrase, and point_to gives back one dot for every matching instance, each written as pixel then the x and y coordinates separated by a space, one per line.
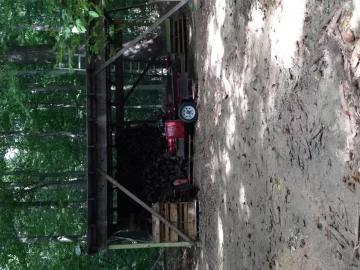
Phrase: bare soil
pixel 277 144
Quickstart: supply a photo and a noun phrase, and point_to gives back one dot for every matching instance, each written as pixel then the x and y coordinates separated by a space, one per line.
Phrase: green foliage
pixel 62 23
pixel 76 16
pixel 93 14
pixel 35 156
pixel 43 137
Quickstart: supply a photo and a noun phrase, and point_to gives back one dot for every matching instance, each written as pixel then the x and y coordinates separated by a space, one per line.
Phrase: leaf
pixel 93 14
pixel 79 23
pixel 81 29
pixel 356 177
pixel 85 5
pixel 120 27
pixel 50 9
pixel 95 48
pixel 67 32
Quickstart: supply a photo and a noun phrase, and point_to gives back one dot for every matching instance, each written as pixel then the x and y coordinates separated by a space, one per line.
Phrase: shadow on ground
pixel 271 143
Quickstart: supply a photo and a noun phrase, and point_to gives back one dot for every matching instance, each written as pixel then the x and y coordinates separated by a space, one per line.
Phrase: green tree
pixel 42 135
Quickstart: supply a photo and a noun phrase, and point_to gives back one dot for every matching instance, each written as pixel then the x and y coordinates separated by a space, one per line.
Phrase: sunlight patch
pixel 288 26
pixel 217 53
pixel 220 11
pixel 225 204
pixel 241 93
pixel 230 131
pixel 214 163
pixel 11 153
pixel 263 122
pixel 221 242
pixel 244 204
pixel 355 19
pixel 257 21
pixel 227 163
pixel 215 45
pixel 227 84
pixel 244 101
pixel 190 34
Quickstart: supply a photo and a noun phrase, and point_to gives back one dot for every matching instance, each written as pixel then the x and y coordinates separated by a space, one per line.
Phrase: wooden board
pixel 192 221
pixel 186 224
pixel 174 219
pixel 168 35
pixel 167 231
pixel 183 23
pixel 178 31
pixel 162 225
pixel 183 62
pixel 182 215
pixel 156 224
pixel 173 35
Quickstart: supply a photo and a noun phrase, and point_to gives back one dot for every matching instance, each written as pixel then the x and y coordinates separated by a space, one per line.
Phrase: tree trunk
pixel 43 204
pixel 32 27
pixel 42 106
pixel 52 239
pixel 49 72
pixel 42 54
pixel 74 183
pixel 45 134
pixel 43 175
pixel 31 54
pixel 61 88
pixel 39 28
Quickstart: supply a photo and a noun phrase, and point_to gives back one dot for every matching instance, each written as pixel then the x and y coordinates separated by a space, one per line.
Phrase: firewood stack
pixel 143 164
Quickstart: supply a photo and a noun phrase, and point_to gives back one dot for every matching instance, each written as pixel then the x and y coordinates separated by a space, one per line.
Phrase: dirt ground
pixel 277 144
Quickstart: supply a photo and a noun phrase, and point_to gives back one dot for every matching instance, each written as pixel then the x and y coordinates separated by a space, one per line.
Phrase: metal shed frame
pixel 100 127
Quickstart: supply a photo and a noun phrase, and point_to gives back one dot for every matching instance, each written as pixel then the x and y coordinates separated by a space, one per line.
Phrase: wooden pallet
pixel 178 33
pixel 183 215
pixel 179 40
